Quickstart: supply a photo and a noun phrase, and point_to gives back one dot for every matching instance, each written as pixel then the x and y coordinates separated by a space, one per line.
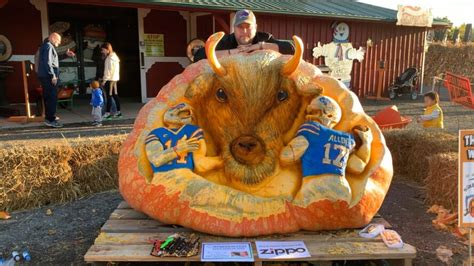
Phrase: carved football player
pixel 322 149
pixel 179 144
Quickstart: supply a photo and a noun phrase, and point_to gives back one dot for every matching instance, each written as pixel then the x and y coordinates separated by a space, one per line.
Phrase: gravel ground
pixel 64 236
pixel 405 210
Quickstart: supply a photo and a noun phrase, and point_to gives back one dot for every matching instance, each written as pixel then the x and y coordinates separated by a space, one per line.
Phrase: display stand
pixel 28 117
pixel 126 236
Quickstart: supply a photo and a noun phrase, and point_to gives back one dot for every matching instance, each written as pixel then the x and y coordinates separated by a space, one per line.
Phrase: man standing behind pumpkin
pixel 247 39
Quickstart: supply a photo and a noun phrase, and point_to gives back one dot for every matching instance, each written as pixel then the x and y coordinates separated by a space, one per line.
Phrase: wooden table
pixel 126 237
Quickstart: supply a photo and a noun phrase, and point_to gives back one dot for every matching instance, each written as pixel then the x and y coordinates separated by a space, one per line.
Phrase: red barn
pixel 151 37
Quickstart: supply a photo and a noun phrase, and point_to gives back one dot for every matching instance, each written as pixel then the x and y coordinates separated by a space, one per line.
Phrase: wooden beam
pixel 3 3
pixel 28 117
pixel 222 22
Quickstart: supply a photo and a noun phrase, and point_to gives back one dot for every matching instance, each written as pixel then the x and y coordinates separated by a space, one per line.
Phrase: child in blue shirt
pixel 97 101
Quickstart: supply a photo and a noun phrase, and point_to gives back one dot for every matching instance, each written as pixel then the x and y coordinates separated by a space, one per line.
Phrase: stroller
pixel 405 84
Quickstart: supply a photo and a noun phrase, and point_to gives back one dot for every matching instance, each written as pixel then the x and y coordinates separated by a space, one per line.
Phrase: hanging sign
pixel 414 16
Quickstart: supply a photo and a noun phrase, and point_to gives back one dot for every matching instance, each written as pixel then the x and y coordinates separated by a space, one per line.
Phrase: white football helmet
pixel 325 110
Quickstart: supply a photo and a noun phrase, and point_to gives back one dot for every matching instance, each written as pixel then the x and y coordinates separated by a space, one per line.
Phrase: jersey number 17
pixel 338 160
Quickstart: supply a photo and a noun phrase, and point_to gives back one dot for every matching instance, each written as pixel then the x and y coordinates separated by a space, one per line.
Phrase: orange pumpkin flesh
pixel 208 204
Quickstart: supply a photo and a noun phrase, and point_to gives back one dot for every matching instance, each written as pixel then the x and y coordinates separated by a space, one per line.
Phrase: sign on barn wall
pixel 414 16
pixel 466 178
pixel 154 45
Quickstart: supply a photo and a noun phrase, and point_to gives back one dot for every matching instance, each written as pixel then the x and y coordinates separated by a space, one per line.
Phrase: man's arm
pixel 48 58
pixel 203 163
pixel 201 53
pixel 267 42
pixel 294 150
pixel 158 155
pixel 226 46
pixel 107 71
pixel 361 157
pixel 433 115
pixel 281 46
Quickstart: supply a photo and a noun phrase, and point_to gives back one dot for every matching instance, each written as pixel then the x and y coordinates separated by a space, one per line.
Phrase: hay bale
pixel 94 162
pixel 441 183
pixel 27 169
pixel 411 148
pixel 35 173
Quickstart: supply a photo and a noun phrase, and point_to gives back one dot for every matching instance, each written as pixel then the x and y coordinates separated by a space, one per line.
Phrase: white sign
pixel 282 249
pixel 466 178
pixel 414 16
pixel 227 251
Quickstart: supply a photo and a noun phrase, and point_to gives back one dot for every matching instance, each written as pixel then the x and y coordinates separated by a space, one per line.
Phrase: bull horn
pixel 294 61
pixel 211 44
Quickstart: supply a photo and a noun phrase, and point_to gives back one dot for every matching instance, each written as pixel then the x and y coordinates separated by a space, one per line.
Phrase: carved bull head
pixel 247 105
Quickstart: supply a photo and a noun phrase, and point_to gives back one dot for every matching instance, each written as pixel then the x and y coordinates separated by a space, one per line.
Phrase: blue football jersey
pixel 169 138
pixel 328 149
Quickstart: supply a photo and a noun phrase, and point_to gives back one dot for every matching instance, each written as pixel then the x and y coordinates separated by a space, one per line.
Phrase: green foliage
pixel 440 32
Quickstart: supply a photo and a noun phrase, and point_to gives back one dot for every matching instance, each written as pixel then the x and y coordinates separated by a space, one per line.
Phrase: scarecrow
pixel 339 54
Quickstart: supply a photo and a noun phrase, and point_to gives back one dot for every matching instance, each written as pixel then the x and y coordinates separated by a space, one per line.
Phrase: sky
pixel 458 11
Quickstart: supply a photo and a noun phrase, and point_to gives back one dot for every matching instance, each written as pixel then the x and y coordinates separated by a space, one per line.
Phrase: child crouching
pixel 97 101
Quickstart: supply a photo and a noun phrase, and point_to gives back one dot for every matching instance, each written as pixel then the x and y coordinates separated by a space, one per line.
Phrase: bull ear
pixel 199 86
pixel 308 87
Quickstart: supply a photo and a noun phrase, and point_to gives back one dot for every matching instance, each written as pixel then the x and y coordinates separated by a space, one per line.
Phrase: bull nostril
pixel 248 149
pixel 249 146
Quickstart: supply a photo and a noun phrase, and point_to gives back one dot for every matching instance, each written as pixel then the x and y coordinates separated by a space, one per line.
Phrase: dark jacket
pixel 99 60
pixel 229 42
pixel 48 61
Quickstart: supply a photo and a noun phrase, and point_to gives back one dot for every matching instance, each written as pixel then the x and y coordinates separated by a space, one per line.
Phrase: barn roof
pixel 347 9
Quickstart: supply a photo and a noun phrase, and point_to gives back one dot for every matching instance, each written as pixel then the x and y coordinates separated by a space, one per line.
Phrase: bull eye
pixel 282 95
pixel 221 96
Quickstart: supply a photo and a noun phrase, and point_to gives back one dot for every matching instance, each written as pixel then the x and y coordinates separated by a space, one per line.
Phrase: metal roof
pixel 348 9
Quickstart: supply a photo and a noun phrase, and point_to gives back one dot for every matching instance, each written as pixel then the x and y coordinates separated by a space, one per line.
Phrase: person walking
pixel 110 79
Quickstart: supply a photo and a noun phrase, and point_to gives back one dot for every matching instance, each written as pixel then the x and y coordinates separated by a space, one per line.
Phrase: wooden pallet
pixel 126 237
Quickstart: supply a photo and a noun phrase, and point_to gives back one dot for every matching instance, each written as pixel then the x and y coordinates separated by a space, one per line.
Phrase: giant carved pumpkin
pixel 250 197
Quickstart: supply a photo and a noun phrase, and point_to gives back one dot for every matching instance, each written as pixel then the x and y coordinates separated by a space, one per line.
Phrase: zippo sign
pixel 282 249
pixel 466 178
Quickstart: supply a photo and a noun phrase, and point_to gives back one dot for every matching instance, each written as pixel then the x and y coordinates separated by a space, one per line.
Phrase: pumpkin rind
pixel 190 200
